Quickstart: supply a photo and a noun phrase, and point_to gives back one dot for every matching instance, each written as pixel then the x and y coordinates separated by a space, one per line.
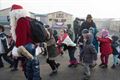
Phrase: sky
pixel 78 8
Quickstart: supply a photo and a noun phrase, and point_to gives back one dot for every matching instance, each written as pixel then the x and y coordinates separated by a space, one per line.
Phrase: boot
pixel 104 66
pixel 113 66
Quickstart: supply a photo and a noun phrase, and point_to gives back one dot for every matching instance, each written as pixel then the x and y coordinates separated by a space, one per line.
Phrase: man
pixel 21 33
pixel 69 31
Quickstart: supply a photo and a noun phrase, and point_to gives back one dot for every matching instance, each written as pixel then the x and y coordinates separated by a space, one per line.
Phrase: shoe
pixel 104 66
pixel 75 65
pixel 1 66
pixel 57 65
pixel 101 64
pixel 92 66
pixel 11 66
pixel 70 65
pixel 53 73
pixel 87 78
pixel 113 66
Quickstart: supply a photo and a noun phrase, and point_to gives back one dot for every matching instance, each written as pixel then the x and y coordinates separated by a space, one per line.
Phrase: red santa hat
pixel 15 7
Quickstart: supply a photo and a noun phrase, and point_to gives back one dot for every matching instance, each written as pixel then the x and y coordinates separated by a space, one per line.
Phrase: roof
pixel 60 11
pixel 5 9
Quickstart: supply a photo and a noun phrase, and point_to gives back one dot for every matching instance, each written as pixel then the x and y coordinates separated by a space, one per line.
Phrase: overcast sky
pixel 79 8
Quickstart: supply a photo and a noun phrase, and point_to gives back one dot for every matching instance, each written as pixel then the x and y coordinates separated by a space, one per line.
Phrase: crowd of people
pixel 88 39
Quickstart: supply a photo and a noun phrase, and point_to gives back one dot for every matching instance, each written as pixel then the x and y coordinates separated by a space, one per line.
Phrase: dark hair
pixel 2 27
pixel 88 16
pixel 115 38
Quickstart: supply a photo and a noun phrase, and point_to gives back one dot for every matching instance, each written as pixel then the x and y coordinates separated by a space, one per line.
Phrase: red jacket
pixel 105 46
pixel 23 33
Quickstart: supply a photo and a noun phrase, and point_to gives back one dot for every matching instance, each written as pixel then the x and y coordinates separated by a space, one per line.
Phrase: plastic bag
pixel 15 52
pixel 38 51
pixel 118 49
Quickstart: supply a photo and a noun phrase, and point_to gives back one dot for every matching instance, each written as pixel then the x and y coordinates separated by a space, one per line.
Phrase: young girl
pixel 68 44
pixel 105 47
pixel 52 52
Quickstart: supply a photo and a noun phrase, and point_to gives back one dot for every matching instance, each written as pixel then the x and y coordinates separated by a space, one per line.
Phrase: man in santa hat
pixel 21 33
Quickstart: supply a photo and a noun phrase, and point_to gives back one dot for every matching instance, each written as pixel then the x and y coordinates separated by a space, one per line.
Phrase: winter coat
pixel 105 46
pixel 89 53
pixel 86 25
pixel 114 46
pixel 3 43
pixel 23 32
pixel 70 33
pixel 51 45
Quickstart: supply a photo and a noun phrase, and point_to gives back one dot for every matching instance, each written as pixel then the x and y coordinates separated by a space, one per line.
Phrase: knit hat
pixel 15 7
pixel 105 33
pixel 88 16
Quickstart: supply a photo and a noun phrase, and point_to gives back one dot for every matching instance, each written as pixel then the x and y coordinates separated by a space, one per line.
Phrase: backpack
pixel 38 31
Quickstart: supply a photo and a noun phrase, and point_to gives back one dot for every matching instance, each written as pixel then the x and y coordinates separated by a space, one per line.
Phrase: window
pixel 63 20
pixel 59 16
pixel 56 20
pixel 50 19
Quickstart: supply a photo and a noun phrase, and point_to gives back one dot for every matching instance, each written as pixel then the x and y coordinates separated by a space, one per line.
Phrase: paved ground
pixel 64 73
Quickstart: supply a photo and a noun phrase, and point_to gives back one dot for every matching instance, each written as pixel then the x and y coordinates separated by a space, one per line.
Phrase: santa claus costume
pixel 21 33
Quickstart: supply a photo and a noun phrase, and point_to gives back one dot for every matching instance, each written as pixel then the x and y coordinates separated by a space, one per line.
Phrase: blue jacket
pixel 114 45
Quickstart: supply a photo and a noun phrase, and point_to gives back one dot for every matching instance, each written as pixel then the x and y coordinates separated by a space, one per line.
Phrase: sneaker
pixel 113 66
pixel 57 65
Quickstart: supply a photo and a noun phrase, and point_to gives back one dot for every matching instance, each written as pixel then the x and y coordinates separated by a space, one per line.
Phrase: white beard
pixel 14 16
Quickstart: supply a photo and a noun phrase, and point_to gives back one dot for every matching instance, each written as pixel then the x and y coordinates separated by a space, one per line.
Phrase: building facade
pixel 59 19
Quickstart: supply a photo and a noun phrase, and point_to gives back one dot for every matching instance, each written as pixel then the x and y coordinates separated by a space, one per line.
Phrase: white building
pixel 59 19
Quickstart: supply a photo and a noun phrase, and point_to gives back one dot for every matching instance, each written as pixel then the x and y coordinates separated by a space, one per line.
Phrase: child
pixel 89 54
pixel 105 48
pixel 68 44
pixel 52 52
pixel 80 42
pixel 4 48
pixel 115 52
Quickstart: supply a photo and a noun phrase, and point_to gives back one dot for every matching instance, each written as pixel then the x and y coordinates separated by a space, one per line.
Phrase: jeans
pixel 115 59
pixel 32 70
